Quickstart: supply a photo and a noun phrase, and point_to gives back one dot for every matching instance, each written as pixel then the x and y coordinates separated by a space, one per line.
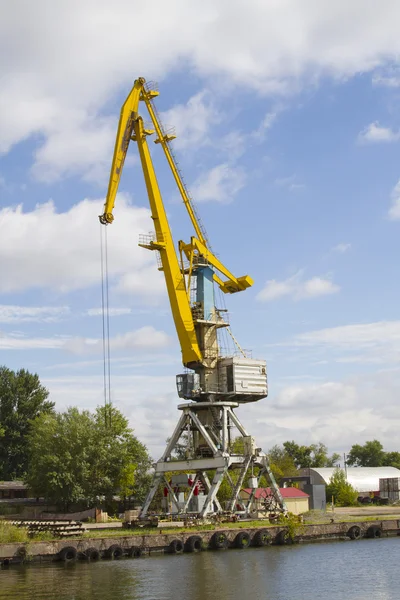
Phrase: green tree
pixel 22 398
pixel 320 457
pixel 281 463
pixel 369 455
pixel 342 491
pixel 314 455
pixel 392 459
pixel 80 457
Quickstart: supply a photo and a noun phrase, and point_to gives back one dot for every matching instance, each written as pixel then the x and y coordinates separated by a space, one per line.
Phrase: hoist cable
pixel 105 326
pixel 103 319
pixel 108 327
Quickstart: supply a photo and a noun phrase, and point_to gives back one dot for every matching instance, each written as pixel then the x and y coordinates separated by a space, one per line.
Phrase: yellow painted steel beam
pixel 129 112
pixel 234 284
pixel 164 243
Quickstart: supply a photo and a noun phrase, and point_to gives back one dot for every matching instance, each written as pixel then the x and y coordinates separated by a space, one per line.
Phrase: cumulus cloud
pixel 220 184
pixel 57 83
pixel 60 251
pixel 297 288
pixel 394 211
pixel 375 133
pixel 10 313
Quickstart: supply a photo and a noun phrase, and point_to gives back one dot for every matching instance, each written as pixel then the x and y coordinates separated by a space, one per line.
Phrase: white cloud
pixel 220 184
pixel 17 342
pixel 112 312
pixel 388 77
pixel 57 81
pixel 297 288
pixel 192 121
pixel 84 148
pixel 394 211
pixel 366 335
pixel 61 250
pixel 375 133
pixel 10 313
pixel 375 343
pixel 260 133
pixel 289 183
pixel 144 338
pixel 339 413
pixel 341 248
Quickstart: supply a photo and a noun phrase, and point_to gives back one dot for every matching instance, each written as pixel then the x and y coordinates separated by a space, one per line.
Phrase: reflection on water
pixel 330 571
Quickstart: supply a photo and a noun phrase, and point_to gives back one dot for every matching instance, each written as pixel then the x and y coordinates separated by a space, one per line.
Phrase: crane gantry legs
pixel 206 428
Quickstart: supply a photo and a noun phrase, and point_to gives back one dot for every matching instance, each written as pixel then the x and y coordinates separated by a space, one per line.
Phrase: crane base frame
pixel 196 417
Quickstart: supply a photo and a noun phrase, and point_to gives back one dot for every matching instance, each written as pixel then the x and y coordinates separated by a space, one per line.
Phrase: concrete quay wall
pixel 174 543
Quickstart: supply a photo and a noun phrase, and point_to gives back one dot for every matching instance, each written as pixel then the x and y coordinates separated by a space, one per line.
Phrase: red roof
pixel 288 492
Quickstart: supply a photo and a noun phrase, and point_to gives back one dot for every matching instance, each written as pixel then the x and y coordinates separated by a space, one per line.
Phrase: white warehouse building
pixel 363 479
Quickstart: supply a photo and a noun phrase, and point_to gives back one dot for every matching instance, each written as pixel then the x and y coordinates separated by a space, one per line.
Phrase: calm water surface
pixel 328 571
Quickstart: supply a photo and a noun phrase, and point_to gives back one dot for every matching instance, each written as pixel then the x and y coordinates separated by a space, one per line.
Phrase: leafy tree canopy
pixel 369 455
pixel 313 456
pixel 281 463
pixel 78 456
pixel 22 398
pixel 372 454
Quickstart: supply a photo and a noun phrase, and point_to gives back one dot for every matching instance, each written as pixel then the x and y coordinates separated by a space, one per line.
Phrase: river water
pixel 356 570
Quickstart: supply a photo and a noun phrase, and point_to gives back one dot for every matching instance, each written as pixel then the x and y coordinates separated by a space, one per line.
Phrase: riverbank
pixel 143 544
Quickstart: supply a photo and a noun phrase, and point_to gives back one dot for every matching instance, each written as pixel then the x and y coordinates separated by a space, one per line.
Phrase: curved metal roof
pixel 363 479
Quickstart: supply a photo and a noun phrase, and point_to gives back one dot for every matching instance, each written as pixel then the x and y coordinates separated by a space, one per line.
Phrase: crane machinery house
pixel 213 383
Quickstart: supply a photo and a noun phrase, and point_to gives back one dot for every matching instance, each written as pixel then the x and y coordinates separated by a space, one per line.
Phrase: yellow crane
pixel 217 384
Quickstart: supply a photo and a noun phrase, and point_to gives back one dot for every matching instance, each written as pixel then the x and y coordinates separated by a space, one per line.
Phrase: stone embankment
pixel 193 541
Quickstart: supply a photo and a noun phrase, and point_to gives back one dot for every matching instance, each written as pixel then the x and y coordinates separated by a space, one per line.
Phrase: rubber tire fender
pixel 21 553
pixel 91 554
pixel 354 533
pixel 68 554
pixel 282 537
pixel 194 544
pixel 115 552
pixel 135 552
pixel 219 541
pixel 175 547
pixel 262 537
pixel 374 532
pixel 242 540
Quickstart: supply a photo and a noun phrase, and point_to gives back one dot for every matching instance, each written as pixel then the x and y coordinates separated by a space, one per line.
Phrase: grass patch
pixel 10 533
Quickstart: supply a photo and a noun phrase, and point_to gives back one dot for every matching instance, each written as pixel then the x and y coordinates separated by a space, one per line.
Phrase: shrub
pixel 342 491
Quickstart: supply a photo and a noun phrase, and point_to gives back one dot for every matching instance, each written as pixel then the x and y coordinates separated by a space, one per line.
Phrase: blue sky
pixel 288 128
